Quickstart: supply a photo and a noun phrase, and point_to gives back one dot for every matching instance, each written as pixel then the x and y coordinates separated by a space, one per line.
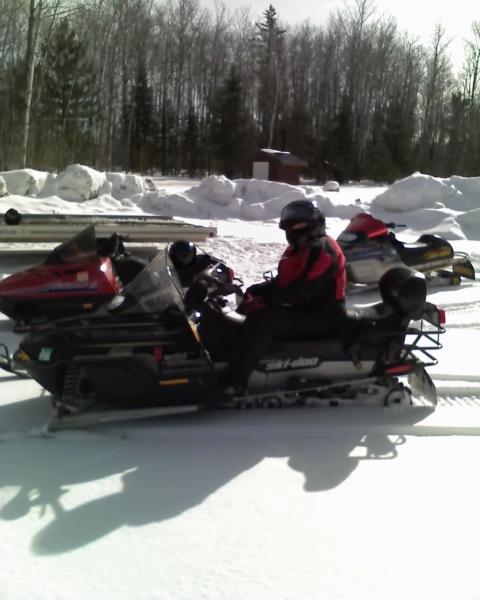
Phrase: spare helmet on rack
pixel 302 220
pixel 182 253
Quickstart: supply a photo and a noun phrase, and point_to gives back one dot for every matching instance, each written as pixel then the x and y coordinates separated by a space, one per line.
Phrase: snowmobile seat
pixel 414 253
pixel 403 294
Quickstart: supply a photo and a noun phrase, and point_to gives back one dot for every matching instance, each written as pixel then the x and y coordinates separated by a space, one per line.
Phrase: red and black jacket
pixel 312 275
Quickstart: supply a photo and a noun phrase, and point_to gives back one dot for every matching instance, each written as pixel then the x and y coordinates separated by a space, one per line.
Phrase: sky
pixel 418 18
pixel 297 504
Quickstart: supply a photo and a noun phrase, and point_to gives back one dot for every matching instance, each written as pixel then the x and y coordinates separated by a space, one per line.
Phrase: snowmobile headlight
pixel 116 301
pixel 22 356
pixel 193 327
pixel 347 236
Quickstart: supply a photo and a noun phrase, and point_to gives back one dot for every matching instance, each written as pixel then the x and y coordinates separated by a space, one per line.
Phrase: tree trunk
pixel 32 37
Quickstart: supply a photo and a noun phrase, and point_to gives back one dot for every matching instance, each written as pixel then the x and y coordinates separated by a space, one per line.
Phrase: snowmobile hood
pixel 94 276
pixel 363 226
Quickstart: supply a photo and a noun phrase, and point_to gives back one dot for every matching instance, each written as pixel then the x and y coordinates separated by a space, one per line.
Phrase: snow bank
pixel 414 192
pixel 125 185
pixel 79 183
pixel 24 182
pixel 170 205
pixel 467 193
pixel 470 224
pixel 218 190
pixel 447 206
pixel 331 186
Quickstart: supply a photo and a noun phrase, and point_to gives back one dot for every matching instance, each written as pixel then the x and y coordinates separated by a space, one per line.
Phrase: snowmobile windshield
pixel 81 247
pixel 154 289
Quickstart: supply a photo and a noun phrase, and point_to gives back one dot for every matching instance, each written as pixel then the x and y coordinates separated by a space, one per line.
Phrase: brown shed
pixel 277 165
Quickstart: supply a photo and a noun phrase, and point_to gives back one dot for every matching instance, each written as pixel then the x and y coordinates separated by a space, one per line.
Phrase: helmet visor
pixel 299 213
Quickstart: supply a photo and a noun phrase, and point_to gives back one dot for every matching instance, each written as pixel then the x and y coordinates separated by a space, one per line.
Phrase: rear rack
pixel 425 337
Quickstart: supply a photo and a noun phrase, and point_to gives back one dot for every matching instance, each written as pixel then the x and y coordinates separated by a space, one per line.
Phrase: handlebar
pixel 394 225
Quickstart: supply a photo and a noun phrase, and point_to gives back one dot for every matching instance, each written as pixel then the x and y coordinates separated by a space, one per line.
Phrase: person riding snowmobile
pixel 188 262
pixel 305 299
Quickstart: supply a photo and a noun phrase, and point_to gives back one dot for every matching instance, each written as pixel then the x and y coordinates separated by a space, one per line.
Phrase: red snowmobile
pixel 78 276
pixel 371 250
pixel 87 272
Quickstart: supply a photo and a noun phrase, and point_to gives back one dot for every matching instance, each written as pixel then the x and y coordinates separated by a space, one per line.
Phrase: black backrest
pixel 405 290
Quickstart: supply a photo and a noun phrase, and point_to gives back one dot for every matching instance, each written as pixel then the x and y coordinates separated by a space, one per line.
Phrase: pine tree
pixel 456 132
pixel 191 143
pixel 231 128
pixel 337 150
pixel 270 49
pixel 142 128
pixel 67 102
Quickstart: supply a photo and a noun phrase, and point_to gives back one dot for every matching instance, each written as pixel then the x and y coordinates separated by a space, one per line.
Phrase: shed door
pixel 260 170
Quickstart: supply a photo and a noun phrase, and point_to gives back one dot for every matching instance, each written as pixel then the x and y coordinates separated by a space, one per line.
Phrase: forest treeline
pixel 171 87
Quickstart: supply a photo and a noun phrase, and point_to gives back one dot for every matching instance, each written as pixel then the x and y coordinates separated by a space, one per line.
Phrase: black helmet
pixel 182 253
pixel 302 220
pixel 12 217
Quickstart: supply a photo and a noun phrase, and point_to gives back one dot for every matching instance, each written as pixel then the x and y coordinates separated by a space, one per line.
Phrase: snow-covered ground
pixel 320 504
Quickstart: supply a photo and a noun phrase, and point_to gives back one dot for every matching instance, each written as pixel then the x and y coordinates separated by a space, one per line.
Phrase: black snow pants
pixel 264 326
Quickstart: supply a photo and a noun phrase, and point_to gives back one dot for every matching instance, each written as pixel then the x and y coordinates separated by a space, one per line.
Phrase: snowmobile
pixel 371 250
pixel 79 275
pixel 148 354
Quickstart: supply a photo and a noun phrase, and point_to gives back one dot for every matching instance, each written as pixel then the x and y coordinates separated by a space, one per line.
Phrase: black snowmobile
pixel 371 250
pixel 149 355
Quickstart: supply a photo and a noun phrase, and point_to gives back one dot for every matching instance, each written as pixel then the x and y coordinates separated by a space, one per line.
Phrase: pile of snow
pixel 331 186
pixel 467 193
pixel 446 206
pixel 414 192
pixel 79 183
pixel 24 182
pixel 125 185
pixel 218 190
pixel 470 224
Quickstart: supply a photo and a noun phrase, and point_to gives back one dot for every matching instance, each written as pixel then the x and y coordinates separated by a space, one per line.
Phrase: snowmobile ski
pixel 63 419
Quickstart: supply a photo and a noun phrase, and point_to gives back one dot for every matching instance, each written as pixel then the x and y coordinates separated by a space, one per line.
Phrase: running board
pixel 86 419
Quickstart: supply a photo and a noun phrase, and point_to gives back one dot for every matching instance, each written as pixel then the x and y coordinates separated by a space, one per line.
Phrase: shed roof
pixel 283 157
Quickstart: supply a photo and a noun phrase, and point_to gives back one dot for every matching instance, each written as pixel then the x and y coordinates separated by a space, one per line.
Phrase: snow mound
pixel 169 205
pixel 79 183
pixel 125 185
pixel 467 193
pixel 217 189
pixel 331 186
pixel 24 182
pixel 470 223
pixel 258 190
pixel 414 192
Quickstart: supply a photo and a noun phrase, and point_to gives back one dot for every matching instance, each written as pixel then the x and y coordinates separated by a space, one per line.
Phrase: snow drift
pixel 450 203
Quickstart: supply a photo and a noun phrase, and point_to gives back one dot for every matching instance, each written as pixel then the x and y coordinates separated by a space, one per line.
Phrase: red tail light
pixel 442 317
pixel 399 369
pixel 231 275
pixel 157 353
